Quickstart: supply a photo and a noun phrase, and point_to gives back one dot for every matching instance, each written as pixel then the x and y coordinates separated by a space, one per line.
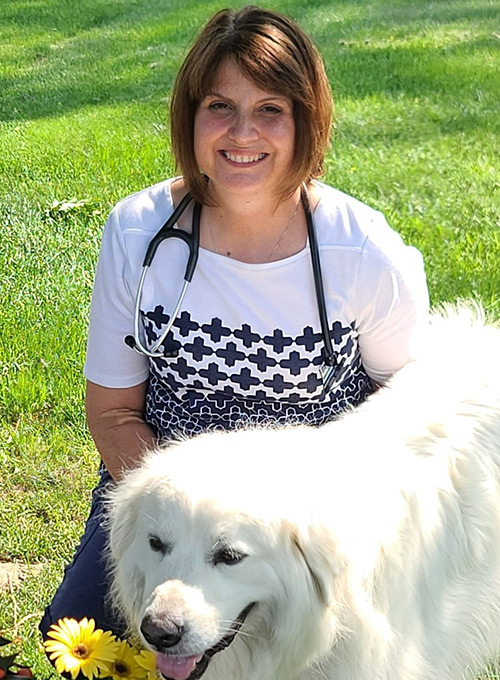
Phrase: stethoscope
pixel 331 368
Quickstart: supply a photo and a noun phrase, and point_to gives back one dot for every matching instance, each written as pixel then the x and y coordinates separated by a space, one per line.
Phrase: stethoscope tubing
pixel 331 367
pixel 193 242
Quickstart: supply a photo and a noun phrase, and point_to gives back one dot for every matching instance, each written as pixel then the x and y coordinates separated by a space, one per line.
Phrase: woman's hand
pixel 115 420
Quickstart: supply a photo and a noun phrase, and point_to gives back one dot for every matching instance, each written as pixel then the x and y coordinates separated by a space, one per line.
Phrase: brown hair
pixel 273 52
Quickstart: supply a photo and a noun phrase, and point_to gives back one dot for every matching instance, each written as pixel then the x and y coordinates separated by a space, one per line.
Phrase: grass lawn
pixel 84 89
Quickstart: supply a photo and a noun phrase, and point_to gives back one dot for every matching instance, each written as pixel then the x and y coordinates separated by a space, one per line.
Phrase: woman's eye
pixel 271 109
pixel 219 106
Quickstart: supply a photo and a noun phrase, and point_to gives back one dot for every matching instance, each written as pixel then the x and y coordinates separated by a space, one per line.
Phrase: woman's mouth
pixel 243 159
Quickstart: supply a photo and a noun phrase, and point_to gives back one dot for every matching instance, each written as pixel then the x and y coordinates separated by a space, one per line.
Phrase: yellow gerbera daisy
pixel 124 665
pixel 147 660
pixel 78 647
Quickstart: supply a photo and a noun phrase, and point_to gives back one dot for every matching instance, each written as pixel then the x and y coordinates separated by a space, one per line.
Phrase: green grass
pixel 84 88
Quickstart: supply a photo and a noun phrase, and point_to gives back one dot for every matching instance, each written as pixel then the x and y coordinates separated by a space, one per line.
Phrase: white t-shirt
pixel 248 335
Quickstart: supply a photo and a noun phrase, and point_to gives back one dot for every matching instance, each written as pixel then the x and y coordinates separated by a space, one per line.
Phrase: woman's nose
pixel 243 128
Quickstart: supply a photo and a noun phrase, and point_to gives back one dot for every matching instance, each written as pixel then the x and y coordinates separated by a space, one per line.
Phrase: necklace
pixel 283 233
pixel 277 244
pixel 228 254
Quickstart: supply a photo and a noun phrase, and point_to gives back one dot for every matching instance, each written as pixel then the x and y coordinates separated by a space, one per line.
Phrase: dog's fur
pixel 372 544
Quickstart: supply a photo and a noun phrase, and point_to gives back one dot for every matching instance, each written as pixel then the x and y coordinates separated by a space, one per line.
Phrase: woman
pixel 250 123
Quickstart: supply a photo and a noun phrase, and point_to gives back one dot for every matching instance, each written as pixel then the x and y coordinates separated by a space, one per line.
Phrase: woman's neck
pixel 257 229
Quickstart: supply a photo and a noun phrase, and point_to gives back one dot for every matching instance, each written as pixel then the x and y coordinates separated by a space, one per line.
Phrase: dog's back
pixel 381 529
pixel 430 601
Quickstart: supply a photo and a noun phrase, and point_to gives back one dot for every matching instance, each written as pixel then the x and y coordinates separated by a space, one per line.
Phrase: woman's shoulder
pixel 145 210
pixel 345 220
pixel 332 200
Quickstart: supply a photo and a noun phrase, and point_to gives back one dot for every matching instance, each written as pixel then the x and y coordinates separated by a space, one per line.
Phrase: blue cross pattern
pixel 185 324
pixel 158 316
pixel 221 363
pixel 230 354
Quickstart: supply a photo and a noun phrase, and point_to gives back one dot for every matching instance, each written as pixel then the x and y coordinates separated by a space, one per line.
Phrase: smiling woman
pixel 269 54
pixel 302 299
pixel 244 139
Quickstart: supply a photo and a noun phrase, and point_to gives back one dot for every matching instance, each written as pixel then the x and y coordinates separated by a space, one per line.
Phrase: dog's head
pixel 209 551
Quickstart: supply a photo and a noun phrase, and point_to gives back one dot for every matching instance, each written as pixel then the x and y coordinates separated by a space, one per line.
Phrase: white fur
pixel 373 542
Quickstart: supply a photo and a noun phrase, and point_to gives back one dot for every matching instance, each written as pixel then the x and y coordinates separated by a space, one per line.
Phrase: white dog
pixel 366 549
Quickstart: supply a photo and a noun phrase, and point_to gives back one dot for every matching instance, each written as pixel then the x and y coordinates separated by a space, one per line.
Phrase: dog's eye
pixel 228 556
pixel 157 545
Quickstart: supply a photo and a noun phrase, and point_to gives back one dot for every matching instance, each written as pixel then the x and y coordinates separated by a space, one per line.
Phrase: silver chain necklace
pixel 278 242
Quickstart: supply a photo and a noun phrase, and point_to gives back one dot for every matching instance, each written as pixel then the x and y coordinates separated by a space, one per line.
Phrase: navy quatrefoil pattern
pixel 221 377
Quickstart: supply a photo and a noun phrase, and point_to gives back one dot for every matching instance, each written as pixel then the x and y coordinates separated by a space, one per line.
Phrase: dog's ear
pixel 316 547
pixel 127 585
pixel 123 509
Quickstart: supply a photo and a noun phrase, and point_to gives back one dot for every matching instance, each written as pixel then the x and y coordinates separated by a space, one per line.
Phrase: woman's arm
pixel 115 421
pixel 392 303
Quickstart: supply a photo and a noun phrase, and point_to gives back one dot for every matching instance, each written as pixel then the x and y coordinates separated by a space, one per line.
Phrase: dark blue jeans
pixel 84 589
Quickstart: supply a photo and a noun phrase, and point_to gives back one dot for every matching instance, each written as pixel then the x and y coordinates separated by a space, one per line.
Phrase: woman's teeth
pixel 243 159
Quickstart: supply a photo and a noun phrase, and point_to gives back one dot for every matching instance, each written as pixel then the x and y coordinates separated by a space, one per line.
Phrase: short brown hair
pixel 273 52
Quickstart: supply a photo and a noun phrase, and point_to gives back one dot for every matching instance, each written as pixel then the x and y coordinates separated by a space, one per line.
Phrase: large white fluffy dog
pixel 367 549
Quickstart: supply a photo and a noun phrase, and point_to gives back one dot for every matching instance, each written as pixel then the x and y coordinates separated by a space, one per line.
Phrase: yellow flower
pixel 147 660
pixel 124 665
pixel 78 647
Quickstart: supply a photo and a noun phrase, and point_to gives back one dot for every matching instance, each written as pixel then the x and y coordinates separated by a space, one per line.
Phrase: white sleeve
pixel 392 304
pixel 109 361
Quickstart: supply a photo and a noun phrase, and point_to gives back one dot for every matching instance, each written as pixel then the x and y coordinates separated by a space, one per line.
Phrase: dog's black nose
pixel 162 634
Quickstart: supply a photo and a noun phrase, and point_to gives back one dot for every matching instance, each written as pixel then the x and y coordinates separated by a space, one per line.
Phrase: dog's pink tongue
pixel 177 667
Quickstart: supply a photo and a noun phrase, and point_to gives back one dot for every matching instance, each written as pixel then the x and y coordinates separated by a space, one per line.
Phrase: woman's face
pixel 244 137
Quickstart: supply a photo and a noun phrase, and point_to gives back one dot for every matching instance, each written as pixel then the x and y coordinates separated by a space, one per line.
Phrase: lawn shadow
pixel 92 53
pixel 105 53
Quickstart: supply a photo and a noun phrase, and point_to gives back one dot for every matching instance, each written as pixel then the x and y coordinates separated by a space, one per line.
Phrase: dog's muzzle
pixel 173 667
